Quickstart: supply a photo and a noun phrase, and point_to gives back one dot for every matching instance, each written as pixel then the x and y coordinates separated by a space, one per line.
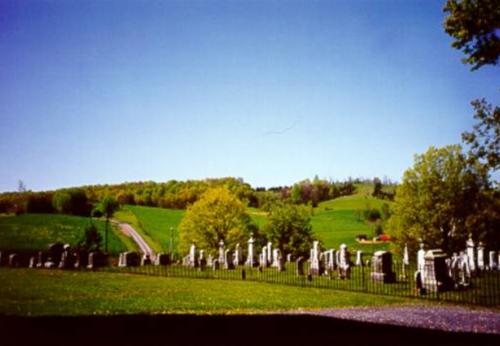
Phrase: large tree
pixel 107 208
pixel 475 26
pixel 289 228
pixel 442 199
pixel 217 215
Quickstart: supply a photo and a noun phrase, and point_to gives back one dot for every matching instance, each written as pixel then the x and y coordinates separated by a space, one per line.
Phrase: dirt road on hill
pixel 131 232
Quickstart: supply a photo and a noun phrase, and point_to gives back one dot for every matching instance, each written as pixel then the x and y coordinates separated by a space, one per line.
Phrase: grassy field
pixel 334 222
pixel 34 232
pixel 55 292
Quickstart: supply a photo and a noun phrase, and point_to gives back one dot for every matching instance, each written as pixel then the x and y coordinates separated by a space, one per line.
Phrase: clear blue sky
pixel 95 92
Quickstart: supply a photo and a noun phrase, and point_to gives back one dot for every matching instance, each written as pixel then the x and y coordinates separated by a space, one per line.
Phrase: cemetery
pixel 471 277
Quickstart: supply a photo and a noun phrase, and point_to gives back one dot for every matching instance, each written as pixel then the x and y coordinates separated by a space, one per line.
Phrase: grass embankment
pixel 55 292
pixel 34 232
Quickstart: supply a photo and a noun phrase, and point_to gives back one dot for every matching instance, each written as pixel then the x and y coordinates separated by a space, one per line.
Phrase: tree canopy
pixel 475 26
pixel 289 228
pixel 217 215
pixel 441 200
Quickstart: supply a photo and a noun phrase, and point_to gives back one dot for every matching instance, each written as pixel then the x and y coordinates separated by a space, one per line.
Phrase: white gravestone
pixel 469 244
pixel 263 257
pixel 237 255
pixel 464 271
pixel 343 262
pixel 480 257
pixel 250 258
pixel 359 258
pixel 492 262
pixel 192 256
pixel 276 255
pixel 315 258
pixel 222 253
pixel 421 259
pixel 269 252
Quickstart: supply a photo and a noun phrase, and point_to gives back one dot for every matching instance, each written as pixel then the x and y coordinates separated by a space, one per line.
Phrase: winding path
pixel 143 246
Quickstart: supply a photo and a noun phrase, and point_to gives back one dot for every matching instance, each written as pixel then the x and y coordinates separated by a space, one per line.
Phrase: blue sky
pixel 101 92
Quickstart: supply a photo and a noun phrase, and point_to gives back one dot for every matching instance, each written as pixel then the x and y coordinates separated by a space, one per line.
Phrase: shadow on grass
pixel 220 330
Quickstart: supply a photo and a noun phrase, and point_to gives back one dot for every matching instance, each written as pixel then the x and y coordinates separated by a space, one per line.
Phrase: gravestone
pixel 405 263
pixel 421 258
pixel 228 263
pixel 469 245
pixel 480 257
pixel 300 266
pixel 32 263
pixel 436 277
pixel 49 263
pixel 237 257
pixel 131 259
pixel 222 253
pixel 14 260
pixel 289 257
pixel 67 258
pixel 464 270
pixel 215 264
pixel 192 262
pixel 276 254
pixel 314 258
pixel 81 258
pixel 382 267
pixel 263 258
pixel 343 262
pixel 55 252
pixel 359 258
pixel 492 260
pixel 96 259
pixel 162 259
pixel 202 262
pixel 250 262
pixel 281 263
pixel 145 260
pixel 39 260
pixel 269 253
pixel 210 260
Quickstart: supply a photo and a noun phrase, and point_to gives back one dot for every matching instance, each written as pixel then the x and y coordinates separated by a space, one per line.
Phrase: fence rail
pixel 484 288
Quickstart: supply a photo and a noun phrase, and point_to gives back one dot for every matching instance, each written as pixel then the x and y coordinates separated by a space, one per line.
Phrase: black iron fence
pixel 482 288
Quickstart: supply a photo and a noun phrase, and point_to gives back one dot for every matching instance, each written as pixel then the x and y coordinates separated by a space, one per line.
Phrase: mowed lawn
pixel 56 292
pixel 34 232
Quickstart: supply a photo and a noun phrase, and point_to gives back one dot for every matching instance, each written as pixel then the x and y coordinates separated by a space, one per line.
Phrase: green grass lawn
pixel 56 292
pixel 34 232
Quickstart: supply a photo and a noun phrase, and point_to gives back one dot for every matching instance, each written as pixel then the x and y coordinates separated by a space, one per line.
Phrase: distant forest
pixel 180 194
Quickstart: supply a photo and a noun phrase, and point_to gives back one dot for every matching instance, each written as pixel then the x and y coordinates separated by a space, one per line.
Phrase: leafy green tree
pixel 484 140
pixel 439 201
pixel 71 201
pixel 377 188
pixel 91 240
pixel 289 228
pixel 217 215
pixel 107 208
pixel 475 26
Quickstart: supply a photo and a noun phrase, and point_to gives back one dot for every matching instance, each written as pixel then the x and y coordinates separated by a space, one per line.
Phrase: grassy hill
pixel 34 232
pixel 334 222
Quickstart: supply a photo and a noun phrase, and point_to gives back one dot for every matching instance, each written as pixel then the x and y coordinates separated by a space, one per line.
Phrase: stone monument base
pixel 386 278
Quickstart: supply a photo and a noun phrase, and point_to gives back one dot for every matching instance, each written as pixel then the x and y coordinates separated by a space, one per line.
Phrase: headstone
pixel 263 262
pixel 492 260
pixel 96 260
pixel 480 257
pixel 39 260
pixel 145 260
pixel 81 259
pixel 162 259
pixel 202 262
pixel 343 262
pixel 32 263
pixel 359 258
pixel 131 259
pixel 269 253
pixel 49 263
pixel 421 258
pixel 464 270
pixel 469 245
pixel 289 257
pixel 330 264
pixel 250 262
pixel 281 263
pixel 228 263
pixel 67 258
pixel 300 266
pixel 435 277
pixel 210 260
pixel 215 264
pixel 276 254
pixel 454 268
pixel 237 257
pixel 55 252
pixel 382 267
pixel 222 253
pixel 405 264
pixel 314 269
pixel 14 260
pixel 192 262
